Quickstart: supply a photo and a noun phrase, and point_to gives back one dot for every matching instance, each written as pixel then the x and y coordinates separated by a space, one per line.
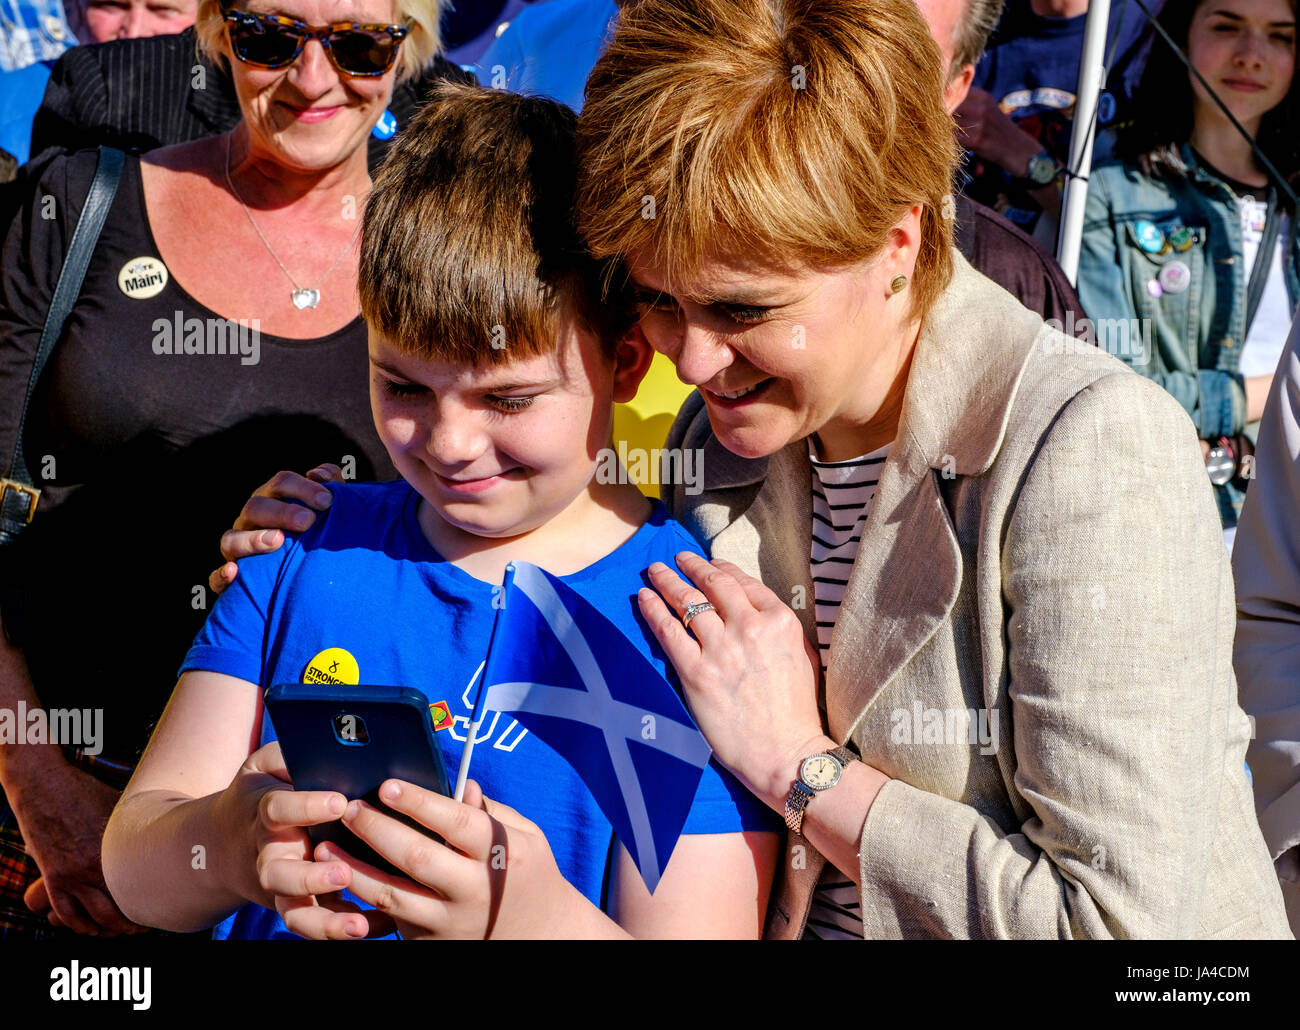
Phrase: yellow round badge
pixel 333 665
pixel 142 278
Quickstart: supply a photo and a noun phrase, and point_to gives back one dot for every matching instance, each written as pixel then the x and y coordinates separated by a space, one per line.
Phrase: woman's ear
pixel 904 244
pixel 632 357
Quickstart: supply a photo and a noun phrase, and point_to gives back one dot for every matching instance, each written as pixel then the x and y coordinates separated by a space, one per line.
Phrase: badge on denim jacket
pixel 1149 236
pixel 1175 277
pixel 1181 239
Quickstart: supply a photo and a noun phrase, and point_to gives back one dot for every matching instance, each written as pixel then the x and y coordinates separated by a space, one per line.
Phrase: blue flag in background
pixel 571 677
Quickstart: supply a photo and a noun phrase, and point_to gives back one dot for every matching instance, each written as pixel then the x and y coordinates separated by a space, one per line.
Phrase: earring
pixel 899 284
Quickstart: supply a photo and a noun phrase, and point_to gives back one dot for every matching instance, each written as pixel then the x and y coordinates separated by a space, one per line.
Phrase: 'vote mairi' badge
pixel 142 278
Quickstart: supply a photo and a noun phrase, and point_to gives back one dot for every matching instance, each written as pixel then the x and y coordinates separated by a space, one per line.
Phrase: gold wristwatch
pixel 816 773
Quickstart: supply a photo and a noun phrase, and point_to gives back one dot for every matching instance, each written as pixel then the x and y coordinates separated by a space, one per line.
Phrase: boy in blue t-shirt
pixel 493 381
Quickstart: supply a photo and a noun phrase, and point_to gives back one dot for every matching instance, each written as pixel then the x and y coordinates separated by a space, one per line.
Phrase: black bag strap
pixel 18 494
pixel 1263 261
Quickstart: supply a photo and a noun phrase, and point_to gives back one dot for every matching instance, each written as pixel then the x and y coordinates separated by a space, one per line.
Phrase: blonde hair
pixel 421 46
pixel 796 131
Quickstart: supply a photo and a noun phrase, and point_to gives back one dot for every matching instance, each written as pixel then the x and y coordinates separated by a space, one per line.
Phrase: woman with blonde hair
pixel 216 337
pixel 953 550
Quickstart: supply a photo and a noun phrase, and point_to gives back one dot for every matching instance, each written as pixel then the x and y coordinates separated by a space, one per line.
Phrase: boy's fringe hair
pixel 468 251
pixel 793 132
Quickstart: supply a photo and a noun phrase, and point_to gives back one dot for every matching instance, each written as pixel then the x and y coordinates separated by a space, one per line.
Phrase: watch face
pixel 820 771
pixel 1042 170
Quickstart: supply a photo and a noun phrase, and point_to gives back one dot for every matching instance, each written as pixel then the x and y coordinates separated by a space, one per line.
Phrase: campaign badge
pixel 1181 239
pixel 334 666
pixel 1105 108
pixel 142 278
pixel 386 127
pixel 1175 277
pixel 1149 236
pixel 441 715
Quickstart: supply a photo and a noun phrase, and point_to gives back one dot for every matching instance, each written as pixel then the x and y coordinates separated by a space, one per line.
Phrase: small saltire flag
pixel 571 677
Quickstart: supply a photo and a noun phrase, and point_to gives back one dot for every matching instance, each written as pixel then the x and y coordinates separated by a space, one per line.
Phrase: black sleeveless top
pixel 146 440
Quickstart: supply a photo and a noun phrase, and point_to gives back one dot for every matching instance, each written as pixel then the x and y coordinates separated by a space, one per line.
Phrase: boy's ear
pixel 632 358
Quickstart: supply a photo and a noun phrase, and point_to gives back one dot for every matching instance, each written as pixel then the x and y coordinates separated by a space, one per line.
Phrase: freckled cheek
pixel 534 446
pixel 399 430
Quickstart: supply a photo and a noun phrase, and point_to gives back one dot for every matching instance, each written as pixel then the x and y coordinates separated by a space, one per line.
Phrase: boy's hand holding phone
pixel 495 876
pixel 274 818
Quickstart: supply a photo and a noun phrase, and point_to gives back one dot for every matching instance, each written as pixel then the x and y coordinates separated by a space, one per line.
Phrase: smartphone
pixel 351 739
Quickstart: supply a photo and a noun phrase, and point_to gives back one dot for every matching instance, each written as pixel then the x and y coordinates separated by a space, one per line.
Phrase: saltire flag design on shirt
pixel 571 677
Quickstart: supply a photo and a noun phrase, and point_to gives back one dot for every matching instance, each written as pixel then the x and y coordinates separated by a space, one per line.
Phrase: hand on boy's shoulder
pixel 287 502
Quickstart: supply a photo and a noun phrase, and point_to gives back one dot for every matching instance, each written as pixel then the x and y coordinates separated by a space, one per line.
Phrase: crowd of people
pixel 987 595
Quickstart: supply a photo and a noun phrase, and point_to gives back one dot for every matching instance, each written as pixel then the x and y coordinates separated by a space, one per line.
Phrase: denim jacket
pixel 1189 340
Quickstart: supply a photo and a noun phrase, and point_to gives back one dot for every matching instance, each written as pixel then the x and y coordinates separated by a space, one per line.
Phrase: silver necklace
pixel 302 297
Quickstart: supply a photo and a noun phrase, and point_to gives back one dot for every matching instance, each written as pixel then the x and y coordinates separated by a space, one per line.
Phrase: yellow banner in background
pixel 643 423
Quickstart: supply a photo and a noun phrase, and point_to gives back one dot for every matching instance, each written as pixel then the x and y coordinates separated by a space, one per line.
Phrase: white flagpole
pixel 1092 77
pixel 476 717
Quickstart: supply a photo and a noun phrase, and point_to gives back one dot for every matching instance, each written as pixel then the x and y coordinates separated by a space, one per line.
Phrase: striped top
pixel 842 492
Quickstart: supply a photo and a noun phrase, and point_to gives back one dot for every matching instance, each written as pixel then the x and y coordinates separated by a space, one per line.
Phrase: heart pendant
pixel 305 298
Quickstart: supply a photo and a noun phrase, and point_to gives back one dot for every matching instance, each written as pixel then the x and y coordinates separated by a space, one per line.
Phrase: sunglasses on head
pixel 273 41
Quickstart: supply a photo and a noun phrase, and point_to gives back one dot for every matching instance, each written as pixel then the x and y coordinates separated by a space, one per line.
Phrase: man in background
pixel 98 21
pixel 993 245
pixel 1019 115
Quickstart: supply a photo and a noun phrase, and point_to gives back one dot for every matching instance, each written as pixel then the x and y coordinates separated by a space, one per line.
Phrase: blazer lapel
pixel 773 539
pixel 908 570
pixel 902 587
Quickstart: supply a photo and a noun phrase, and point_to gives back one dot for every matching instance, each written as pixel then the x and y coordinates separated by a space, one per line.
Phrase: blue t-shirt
pixel 365 579
pixel 549 50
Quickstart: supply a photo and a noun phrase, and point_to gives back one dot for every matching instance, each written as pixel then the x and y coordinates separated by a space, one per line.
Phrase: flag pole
pixel 476 717
pixel 1092 77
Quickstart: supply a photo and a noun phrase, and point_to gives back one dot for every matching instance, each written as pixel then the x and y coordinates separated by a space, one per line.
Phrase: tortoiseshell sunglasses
pixel 273 41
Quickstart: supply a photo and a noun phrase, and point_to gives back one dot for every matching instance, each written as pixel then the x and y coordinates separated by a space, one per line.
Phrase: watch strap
pixel 795 802
pixel 800 793
pixel 846 755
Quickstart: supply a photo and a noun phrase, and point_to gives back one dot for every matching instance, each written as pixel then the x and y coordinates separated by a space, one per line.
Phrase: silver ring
pixel 692 610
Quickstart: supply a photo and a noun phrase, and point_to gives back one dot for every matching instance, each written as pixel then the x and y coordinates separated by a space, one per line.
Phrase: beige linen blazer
pixel 1043 554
